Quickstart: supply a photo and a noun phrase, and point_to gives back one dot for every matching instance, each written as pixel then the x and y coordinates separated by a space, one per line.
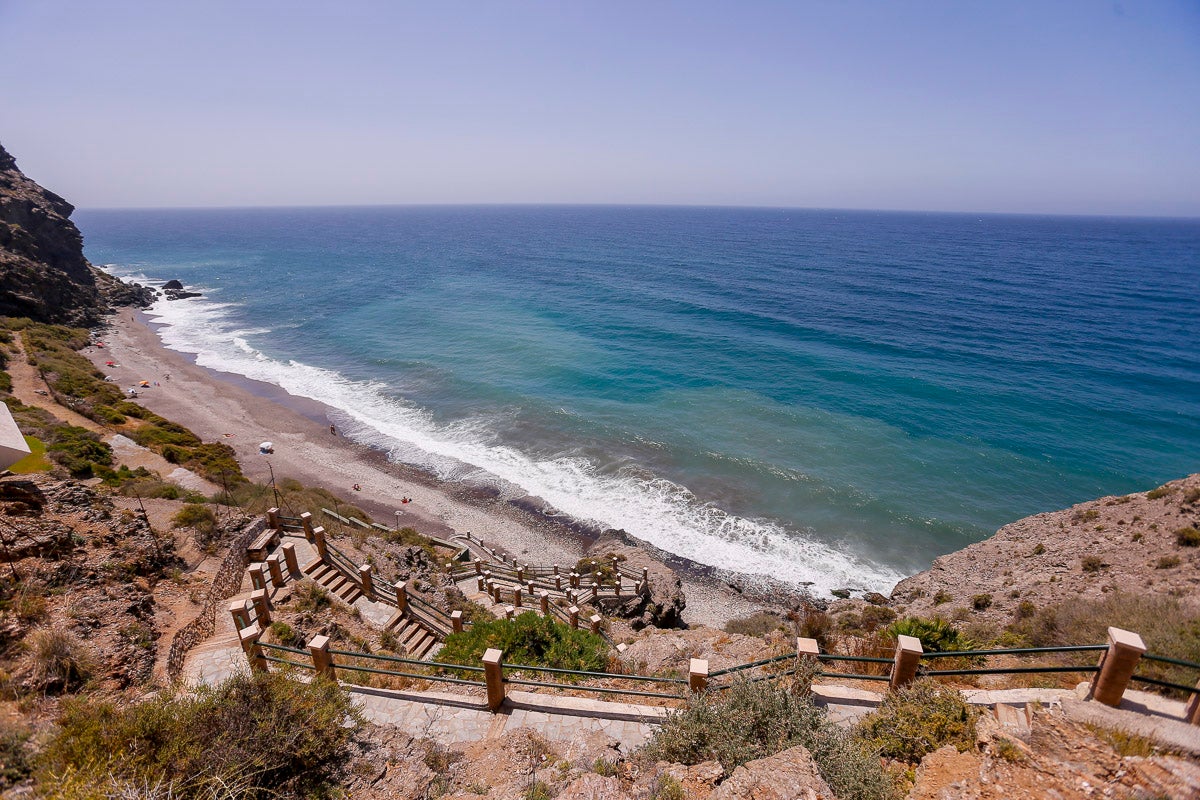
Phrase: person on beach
pixel 357 488
pixel 332 430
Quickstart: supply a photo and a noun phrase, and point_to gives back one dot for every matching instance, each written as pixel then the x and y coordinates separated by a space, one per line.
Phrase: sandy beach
pixel 242 413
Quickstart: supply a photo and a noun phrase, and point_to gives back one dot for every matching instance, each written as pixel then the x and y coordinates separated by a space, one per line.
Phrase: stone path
pixel 456 718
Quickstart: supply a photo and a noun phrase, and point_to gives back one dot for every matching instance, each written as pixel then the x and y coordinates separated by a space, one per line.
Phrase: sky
pixel 1049 106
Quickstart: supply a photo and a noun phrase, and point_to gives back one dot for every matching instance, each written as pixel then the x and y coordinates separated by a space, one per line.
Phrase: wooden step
pixel 409 634
pixel 419 645
pixel 311 566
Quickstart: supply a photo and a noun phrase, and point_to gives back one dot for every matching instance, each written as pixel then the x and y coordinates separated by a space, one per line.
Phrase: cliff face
pixel 43 273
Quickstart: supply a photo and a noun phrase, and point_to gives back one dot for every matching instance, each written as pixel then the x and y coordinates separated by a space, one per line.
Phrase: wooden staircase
pixel 412 638
pixel 335 582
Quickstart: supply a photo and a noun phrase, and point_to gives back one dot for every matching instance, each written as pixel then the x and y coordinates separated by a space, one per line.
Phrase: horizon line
pixel 697 206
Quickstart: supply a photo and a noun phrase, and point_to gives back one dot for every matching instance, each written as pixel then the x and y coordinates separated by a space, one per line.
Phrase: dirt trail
pixel 29 387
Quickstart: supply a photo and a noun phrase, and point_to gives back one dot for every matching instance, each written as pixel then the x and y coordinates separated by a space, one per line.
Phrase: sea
pixel 828 398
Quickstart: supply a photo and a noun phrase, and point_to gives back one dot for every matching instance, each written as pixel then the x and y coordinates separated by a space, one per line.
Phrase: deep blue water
pixel 824 396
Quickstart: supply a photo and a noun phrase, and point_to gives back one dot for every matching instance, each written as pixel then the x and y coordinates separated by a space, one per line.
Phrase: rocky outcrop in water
pixel 43 273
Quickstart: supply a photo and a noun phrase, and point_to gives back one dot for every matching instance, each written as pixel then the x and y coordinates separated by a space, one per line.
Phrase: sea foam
pixel 651 508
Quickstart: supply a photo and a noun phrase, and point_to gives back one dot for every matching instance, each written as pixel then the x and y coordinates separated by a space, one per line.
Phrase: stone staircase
pixel 334 581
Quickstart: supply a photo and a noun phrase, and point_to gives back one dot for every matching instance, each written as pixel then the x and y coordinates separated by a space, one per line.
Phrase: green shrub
pixel 1092 564
pixel 529 639
pixel 1187 537
pixel 1167 562
pixel 408 537
pixel 918 719
pixel 754 720
pixel 79 450
pixel 942 596
pixel 760 623
pixel 15 763
pixel 199 517
pixel 936 635
pixel 1160 492
pixel 253 736
pixel 284 634
pixel 667 787
pixel 981 602
pixel 1038 549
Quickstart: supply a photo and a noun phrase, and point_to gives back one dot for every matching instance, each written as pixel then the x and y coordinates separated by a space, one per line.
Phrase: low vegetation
pixel 1168 626
pixel 750 721
pixel 918 719
pixel 251 736
pixel 528 639
pixel 936 635
pixel 760 623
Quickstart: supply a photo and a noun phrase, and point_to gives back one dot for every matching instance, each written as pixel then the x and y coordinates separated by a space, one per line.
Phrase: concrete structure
pixel 908 658
pixel 1125 650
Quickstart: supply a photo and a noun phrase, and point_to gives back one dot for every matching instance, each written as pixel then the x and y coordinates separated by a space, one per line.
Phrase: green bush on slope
pixel 251 736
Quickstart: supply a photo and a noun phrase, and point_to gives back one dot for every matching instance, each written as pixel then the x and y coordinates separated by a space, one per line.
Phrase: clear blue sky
pixel 1043 106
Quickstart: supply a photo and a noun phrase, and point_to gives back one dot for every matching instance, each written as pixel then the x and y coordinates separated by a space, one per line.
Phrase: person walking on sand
pixel 332 429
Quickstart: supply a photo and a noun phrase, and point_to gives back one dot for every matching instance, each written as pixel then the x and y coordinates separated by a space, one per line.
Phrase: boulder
pixel 594 787
pixel 790 775
pixel 661 602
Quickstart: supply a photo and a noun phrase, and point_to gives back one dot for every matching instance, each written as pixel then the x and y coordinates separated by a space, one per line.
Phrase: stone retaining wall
pixel 225 584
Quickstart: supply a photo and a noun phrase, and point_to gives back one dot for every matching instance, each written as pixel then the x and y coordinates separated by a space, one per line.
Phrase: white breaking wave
pixel 653 509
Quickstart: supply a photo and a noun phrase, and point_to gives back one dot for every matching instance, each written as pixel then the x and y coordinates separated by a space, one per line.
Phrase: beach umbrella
pixel 266 447
pixel 145 384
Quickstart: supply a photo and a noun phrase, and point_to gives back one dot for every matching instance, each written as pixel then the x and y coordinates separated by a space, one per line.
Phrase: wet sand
pixel 219 406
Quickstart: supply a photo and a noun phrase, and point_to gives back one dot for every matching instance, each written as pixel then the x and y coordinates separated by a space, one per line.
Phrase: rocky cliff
pixel 43 273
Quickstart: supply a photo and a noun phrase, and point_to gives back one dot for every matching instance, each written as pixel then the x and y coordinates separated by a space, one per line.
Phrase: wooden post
pixel 1192 711
pixel 318 540
pixel 520 574
pixel 645 576
pixel 698 674
pixel 289 558
pixel 574 580
pixel 1125 649
pixel 249 638
pixel 509 612
pixel 366 581
pixel 237 610
pixel 544 602
pixel 493 676
pixel 318 648
pixel 573 615
pixel 262 606
pixel 556 569
pixel 273 518
pixel 401 596
pixel 517 596
pixel 456 624
pixel 596 620
pixel 557 582
pixel 908 658
pixel 479 566
pixel 275 570
pixel 479 579
pixel 257 581
pixel 595 592
pixel 306 523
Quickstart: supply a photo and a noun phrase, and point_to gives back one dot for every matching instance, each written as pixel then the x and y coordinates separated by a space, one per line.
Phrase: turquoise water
pixel 828 397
